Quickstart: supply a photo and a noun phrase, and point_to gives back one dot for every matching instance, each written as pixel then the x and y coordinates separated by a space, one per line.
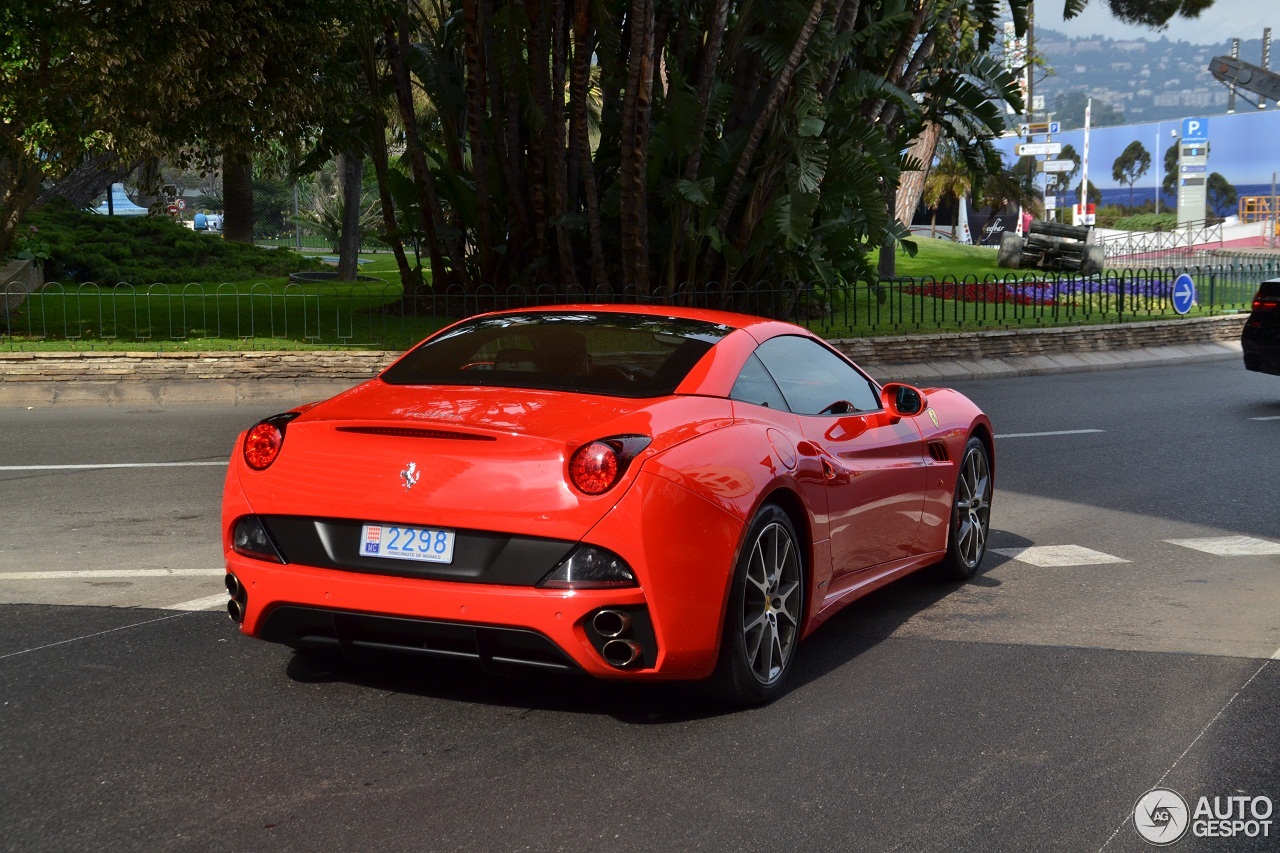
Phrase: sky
pixel 1226 19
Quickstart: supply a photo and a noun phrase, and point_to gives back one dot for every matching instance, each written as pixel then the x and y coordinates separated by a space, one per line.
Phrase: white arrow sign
pixel 1032 148
pixel 1057 165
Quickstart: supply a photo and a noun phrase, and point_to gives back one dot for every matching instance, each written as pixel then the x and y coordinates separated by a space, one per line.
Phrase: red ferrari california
pixel 623 491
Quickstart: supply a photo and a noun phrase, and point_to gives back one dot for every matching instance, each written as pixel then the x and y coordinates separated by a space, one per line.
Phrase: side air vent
pixel 415 432
pixel 938 451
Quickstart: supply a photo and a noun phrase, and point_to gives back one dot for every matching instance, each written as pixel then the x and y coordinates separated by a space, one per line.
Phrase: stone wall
pixel 84 366
pixel 909 349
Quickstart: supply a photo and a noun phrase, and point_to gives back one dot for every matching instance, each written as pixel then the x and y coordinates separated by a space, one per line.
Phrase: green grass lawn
pixel 955 287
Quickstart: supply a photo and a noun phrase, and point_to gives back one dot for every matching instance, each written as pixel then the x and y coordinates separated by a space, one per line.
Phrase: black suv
pixel 1260 339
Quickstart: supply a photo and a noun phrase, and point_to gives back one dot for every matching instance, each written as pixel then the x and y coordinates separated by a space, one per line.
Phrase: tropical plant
pixel 949 179
pixel 1134 162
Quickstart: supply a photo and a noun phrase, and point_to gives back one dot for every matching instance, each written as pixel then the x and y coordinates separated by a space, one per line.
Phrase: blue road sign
pixel 1195 131
pixel 1055 127
pixel 1184 293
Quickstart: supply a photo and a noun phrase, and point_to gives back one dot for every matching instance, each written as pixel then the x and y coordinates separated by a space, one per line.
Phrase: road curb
pixel 262 377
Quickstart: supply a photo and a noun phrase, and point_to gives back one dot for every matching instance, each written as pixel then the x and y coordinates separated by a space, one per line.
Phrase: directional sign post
pixel 1036 148
pixel 1184 293
pixel 1057 165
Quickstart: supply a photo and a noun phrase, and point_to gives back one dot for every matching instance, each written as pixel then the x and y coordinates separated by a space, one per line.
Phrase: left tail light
pixel 264 439
pixel 597 466
pixel 1265 303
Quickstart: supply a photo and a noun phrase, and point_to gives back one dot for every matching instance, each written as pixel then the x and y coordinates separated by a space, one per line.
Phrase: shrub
pixel 87 246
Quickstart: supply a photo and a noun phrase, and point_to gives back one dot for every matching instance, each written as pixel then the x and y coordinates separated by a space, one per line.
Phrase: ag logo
pixel 1161 816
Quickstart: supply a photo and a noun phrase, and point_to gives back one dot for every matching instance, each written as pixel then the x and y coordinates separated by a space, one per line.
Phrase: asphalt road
pixel 1121 637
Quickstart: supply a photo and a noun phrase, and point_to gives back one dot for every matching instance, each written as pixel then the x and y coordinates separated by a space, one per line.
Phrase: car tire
pixel 970 513
pixel 764 612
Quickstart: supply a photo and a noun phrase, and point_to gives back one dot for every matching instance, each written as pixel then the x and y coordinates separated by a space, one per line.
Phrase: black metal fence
pixel 376 315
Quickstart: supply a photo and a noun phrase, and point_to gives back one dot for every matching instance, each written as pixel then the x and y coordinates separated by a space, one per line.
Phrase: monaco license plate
pixel 400 542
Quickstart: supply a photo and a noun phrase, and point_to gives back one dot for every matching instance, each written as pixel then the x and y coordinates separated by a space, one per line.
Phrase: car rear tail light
pixel 589 567
pixel 264 439
pixel 1265 303
pixel 594 468
pixel 249 538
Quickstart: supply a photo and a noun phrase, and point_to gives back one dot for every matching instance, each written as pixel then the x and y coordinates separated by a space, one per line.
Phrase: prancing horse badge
pixel 409 476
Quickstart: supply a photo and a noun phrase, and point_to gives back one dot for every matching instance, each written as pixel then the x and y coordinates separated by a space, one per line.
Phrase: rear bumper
pixel 1261 349
pixel 681 548
pixel 502 628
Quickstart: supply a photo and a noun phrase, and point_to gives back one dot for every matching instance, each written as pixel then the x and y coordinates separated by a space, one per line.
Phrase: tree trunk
pixel 19 186
pixel 89 180
pixel 397 44
pixel 580 79
pixel 477 109
pixel 693 164
pixel 633 178
pixel 237 196
pixel 911 184
pixel 351 170
pixel 780 86
pixel 887 266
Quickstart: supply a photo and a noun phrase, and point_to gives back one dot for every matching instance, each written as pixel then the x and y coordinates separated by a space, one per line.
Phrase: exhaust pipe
pixel 234 588
pixel 611 623
pixel 236 611
pixel 621 653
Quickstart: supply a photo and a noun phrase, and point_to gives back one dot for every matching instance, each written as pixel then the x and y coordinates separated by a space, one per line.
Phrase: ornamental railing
pixel 381 315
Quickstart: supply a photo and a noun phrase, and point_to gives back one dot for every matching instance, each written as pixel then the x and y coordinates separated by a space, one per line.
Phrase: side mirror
pixel 902 401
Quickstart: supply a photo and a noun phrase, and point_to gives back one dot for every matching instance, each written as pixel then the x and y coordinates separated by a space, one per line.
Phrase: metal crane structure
pixel 1247 76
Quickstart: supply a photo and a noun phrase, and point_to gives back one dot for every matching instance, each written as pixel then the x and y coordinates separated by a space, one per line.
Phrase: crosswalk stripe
pixel 93 465
pixel 1053 556
pixel 1046 434
pixel 76 574
pixel 1229 546
pixel 209 602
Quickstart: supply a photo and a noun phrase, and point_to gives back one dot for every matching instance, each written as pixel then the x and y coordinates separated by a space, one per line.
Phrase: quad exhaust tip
pixel 612 623
pixel 621 653
pixel 239 598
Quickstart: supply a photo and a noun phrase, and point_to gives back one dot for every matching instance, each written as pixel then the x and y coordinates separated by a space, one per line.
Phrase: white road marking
pixel 1050 556
pixel 209 602
pixel 1268 418
pixel 95 465
pixel 109 573
pixel 1045 434
pixel 1230 546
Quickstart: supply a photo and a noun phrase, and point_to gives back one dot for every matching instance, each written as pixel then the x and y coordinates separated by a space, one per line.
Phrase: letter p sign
pixel 1195 131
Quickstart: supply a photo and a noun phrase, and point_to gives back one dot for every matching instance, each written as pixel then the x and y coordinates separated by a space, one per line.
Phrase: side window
pixel 755 385
pixel 812 377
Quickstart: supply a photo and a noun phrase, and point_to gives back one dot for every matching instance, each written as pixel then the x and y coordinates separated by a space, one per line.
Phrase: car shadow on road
pixel 859 627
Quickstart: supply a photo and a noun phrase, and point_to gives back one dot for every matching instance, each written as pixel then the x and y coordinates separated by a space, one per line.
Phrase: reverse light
pixel 249 538
pixel 594 468
pixel 264 439
pixel 589 567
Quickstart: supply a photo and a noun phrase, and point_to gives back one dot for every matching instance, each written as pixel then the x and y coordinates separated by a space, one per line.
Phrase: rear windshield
pixel 624 355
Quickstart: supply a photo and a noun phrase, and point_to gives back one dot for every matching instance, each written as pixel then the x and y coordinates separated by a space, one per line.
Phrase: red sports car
pixel 629 492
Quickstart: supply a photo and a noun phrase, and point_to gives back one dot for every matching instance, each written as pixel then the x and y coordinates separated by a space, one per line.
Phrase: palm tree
pixel 949 178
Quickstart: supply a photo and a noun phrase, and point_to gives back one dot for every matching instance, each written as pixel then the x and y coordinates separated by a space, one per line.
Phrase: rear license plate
pixel 398 542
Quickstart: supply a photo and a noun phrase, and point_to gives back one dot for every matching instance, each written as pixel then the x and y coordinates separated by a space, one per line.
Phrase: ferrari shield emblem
pixel 409 476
